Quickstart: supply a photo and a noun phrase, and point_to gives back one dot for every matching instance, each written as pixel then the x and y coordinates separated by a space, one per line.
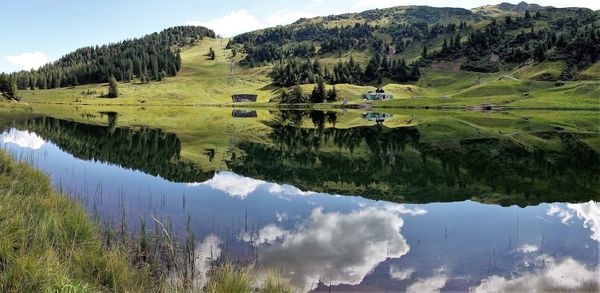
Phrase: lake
pixel 352 200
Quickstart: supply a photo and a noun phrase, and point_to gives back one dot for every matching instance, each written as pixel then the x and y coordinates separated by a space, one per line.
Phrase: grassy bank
pixel 48 244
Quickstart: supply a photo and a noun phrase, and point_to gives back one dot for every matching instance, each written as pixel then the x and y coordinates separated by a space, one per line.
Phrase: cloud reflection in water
pixel 333 248
pixel 23 139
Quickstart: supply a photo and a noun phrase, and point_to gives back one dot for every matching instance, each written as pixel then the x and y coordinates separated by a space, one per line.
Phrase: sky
pixel 34 32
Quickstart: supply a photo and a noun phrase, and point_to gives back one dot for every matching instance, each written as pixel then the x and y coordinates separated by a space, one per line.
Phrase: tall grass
pixel 49 244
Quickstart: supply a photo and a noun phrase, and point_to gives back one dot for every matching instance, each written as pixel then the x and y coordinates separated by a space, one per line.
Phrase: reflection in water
pixel 565 275
pixel 24 139
pixel 374 161
pixel 588 212
pixel 240 186
pixel 206 252
pixel 378 117
pixel 400 273
pixel 244 113
pixel 393 164
pixel 333 248
pixel 430 284
pixel 277 204
pixel 151 150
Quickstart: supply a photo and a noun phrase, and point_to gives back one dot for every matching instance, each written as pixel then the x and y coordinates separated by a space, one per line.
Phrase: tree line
pixel 151 57
pixel 296 71
pixel 8 86
pixel 574 39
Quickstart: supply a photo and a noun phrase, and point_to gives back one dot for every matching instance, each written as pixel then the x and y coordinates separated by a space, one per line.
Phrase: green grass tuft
pixel 48 244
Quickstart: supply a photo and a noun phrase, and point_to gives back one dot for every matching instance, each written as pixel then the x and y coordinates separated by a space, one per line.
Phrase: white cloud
pixel 432 284
pixel 207 252
pixel 26 61
pixel 402 209
pixel 281 216
pixel 240 186
pixel 232 23
pixel 400 274
pixel 287 189
pixel 233 184
pixel 527 248
pixel 566 275
pixel 286 16
pixel 23 139
pixel 563 214
pixel 267 235
pixel 590 214
pixel 333 247
pixel 241 21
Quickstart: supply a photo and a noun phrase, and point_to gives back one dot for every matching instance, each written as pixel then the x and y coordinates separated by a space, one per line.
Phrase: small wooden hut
pixel 240 98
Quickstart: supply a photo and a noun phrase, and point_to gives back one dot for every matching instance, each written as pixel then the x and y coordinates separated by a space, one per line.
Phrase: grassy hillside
pixel 444 80
pixel 200 81
pixel 207 82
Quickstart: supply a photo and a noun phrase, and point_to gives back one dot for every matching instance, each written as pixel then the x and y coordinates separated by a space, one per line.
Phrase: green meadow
pixel 212 82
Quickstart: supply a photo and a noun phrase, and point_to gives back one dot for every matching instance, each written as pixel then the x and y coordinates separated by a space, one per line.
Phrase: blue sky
pixel 37 31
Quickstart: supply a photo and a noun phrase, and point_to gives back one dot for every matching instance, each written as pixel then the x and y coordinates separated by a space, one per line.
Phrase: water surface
pixel 359 205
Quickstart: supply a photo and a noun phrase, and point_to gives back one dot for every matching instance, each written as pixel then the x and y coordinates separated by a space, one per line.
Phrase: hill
pixel 151 57
pixel 503 54
pixel 478 41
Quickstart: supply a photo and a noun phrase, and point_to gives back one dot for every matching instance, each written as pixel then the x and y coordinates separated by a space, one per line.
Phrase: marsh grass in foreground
pixel 49 244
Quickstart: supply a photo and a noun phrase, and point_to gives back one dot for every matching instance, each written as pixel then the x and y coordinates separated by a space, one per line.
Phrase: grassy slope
pixel 200 81
pixel 48 244
pixel 592 73
pixel 207 82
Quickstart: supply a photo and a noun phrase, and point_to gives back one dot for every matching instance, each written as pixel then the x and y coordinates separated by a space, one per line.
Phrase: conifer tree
pixel 318 94
pixel 332 95
pixel 113 87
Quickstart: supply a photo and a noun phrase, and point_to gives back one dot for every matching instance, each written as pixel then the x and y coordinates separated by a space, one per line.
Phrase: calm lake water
pixel 360 206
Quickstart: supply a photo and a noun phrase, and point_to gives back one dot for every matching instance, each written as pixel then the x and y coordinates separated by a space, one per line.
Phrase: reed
pixel 50 244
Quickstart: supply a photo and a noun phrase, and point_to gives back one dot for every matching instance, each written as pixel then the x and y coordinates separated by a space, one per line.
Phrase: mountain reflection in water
pixel 289 204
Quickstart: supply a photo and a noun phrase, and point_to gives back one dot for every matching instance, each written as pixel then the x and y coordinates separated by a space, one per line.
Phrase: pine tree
pixel 178 60
pixel 297 95
pixel 379 80
pixel 113 87
pixel 457 42
pixel 445 47
pixel 415 74
pixel 318 94
pixel 540 52
pixel 8 86
pixel 332 95
pixel 424 52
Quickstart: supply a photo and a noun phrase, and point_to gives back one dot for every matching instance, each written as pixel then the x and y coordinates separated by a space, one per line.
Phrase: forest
pixel 503 42
pixel 152 57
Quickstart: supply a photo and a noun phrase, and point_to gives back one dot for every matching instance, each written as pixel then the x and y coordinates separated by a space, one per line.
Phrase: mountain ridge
pixel 412 50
